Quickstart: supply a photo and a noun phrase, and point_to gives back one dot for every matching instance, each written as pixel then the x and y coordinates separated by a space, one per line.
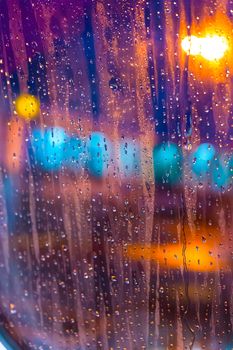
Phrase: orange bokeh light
pixel 211 47
pixel 208 46
pixel 197 256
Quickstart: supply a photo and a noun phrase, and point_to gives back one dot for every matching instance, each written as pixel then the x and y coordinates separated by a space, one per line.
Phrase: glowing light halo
pixel 213 47
pixel 27 106
pixel 191 45
pixel 210 47
pixel 205 258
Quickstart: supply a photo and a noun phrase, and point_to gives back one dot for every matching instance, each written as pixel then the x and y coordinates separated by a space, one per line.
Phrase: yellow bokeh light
pixel 27 106
pixel 211 48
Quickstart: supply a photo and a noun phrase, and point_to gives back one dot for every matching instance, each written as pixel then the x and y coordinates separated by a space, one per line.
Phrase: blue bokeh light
pixel 168 161
pixel 129 158
pixel 220 173
pixel 48 147
pixel 202 158
pixel 75 154
pixel 229 347
pixel 99 151
pixel 230 168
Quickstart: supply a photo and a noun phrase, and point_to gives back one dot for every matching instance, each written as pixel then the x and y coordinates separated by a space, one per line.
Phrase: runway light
pixel 211 47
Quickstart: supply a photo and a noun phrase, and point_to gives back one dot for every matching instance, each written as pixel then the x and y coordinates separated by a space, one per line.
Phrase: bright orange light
pixel 199 256
pixel 191 45
pixel 211 47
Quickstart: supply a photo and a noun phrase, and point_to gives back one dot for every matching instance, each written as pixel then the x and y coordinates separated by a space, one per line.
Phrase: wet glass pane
pixel 116 171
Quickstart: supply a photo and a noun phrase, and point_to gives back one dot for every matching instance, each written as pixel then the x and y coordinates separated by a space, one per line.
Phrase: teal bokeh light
pixel 229 347
pixel 168 162
pixel 48 147
pixel 220 174
pixel 129 158
pixel 99 151
pixel 75 154
pixel 202 158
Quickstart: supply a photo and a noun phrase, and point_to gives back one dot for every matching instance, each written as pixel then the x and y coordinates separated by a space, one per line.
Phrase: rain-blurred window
pixel 116 173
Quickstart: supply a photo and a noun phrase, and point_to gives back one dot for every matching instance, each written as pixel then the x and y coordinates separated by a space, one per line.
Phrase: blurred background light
pixel 211 47
pixel 48 147
pixel 27 106
pixel 191 45
pixel 202 158
pixel 6 341
pixel 75 154
pixel 129 158
pixel 229 347
pixel 99 151
pixel 199 257
pixel 168 159
pixel 230 167
pixel 220 173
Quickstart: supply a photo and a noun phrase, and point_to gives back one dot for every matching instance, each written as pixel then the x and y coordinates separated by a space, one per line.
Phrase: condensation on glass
pixel 116 125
